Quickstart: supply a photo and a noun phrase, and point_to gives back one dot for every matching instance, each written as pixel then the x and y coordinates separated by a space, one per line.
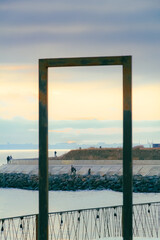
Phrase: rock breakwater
pixel 67 182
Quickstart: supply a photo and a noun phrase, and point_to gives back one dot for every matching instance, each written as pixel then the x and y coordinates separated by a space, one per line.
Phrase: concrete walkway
pixel 100 167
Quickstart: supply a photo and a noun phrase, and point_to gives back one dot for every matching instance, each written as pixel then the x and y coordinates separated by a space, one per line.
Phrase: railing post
pixel 36 226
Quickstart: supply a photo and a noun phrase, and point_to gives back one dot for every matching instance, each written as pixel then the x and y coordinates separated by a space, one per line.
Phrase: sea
pixel 17 202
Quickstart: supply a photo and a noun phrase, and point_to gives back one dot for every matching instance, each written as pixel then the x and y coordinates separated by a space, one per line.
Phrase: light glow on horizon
pixel 72 98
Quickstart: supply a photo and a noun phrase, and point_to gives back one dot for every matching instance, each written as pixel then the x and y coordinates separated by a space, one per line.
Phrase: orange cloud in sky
pixel 71 141
pixel 66 130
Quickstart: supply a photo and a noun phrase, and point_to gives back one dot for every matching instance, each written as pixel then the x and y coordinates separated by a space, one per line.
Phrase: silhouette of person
pixel 89 171
pixel 9 159
pixel 73 170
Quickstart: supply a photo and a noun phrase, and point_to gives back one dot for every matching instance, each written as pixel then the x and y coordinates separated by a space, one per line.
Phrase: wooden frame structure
pixel 44 64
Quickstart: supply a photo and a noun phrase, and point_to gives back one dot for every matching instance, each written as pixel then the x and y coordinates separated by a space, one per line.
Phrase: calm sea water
pixel 16 202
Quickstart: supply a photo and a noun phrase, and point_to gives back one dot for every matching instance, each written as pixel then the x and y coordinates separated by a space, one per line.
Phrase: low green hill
pixel 111 154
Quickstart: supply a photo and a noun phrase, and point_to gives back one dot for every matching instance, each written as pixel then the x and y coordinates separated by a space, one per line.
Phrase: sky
pixel 85 103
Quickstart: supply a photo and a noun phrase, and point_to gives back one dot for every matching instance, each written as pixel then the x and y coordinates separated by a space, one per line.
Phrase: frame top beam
pixel 83 61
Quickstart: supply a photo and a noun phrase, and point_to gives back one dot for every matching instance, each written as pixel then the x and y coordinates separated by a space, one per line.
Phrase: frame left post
pixel 43 151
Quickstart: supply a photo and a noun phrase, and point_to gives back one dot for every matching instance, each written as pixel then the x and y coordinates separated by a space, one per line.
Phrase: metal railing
pixel 85 224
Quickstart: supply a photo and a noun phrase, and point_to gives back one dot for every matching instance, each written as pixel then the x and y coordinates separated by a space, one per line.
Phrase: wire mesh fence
pixel 85 224
pixel 23 227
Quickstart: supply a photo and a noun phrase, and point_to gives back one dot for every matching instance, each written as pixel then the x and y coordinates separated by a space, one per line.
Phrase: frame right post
pixel 127 148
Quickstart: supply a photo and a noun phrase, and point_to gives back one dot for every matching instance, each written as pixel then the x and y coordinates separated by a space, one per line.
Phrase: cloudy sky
pixel 85 104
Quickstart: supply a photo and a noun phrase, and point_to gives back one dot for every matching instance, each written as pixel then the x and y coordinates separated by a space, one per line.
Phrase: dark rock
pixel 67 182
